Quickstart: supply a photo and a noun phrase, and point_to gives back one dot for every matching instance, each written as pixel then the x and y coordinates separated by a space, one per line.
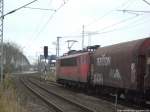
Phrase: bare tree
pixel 14 59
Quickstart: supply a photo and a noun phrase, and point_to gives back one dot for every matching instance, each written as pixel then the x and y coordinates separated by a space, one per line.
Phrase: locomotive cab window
pixel 69 62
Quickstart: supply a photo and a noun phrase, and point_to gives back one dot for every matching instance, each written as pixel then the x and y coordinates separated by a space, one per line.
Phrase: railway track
pixel 97 104
pixel 110 101
pixel 58 102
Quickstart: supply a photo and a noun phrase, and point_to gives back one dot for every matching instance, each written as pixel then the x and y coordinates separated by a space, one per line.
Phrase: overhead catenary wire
pixel 40 9
pixel 109 30
pixel 118 23
pixel 50 18
pixel 134 11
pixel 106 29
pixel 39 24
pixel 124 4
pixel 122 28
pixel 63 36
pixel 108 13
pixel 46 23
pixel 113 25
pixel 19 8
pixel 146 2
pixel 102 31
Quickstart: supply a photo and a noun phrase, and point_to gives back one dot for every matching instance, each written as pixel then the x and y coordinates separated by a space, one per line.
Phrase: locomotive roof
pixel 126 47
pixel 73 55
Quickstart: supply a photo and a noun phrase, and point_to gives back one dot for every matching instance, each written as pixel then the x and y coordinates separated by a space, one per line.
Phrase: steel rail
pixel 87 109
pixel 56 107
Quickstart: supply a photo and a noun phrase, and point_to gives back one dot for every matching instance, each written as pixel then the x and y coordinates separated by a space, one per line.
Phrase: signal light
pixel 45 51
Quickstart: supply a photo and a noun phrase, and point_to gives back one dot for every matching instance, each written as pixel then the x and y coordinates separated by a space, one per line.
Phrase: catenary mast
pixel 1 38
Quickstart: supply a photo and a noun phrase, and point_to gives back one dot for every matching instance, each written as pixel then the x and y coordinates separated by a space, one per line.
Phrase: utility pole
pixel 82 36
pixel 72 42
pixel 57 52
pixel 1 35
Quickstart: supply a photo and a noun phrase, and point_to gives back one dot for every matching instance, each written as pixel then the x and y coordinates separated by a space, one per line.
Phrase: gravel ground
pixel 33 104
pixel 92 102
pixel 28 100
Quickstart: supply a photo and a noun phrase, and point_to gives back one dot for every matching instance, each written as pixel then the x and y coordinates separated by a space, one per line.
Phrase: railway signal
pixel 45 56
pixel 45 51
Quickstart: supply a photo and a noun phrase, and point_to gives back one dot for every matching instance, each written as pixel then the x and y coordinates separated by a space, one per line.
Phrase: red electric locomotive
pixel 73 69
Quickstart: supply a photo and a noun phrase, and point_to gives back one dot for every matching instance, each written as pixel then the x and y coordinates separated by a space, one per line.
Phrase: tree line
pixel 14 60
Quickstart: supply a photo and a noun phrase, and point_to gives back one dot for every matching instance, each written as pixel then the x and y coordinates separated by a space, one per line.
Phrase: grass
pixel 8 97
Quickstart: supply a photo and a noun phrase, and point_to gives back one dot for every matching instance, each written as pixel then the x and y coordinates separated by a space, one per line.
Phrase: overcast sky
pixel 32 29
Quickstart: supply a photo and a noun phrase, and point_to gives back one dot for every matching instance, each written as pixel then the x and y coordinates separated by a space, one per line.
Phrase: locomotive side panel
pixel 74 68
pixel 68 69
pixel 84 64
